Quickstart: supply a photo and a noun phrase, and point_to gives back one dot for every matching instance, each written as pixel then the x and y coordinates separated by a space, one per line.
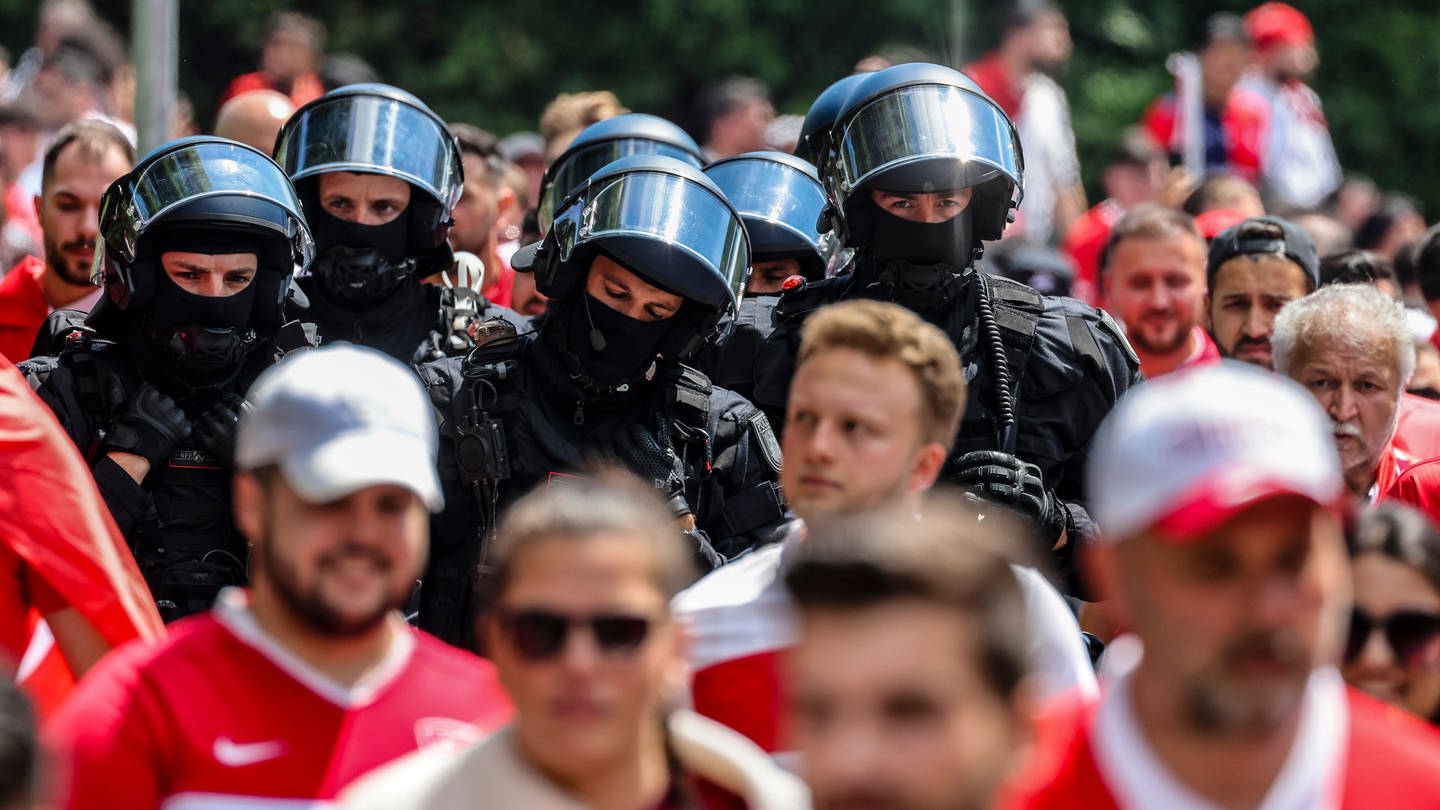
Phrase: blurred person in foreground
pixel 293 52
pixel 1154 280
pixel 583 638
pixel 81 162
pixel 910 676
pixel 287 692
pixel 21 769
pixel 1393 650
pixel 1253 270
pixel 874 405
pixel 1222 501
pixel 1350 346
pixel 70 590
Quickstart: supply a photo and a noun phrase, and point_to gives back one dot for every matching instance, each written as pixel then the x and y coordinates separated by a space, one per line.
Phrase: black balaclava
pixel 917 264
pixel 203 339
pixel 360 265
pixel 611 347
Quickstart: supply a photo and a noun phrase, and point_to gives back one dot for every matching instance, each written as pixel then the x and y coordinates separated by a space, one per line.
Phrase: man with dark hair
pixel 583 639
pixel 735 113
pixel 286 693
pixel 80 163
pixel 293 53
pixel 1154 280
pixel 1254 269
pixel 909 676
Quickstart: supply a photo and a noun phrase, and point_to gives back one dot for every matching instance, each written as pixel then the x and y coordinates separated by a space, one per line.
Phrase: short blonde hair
pixel 572 111
pixel 887 331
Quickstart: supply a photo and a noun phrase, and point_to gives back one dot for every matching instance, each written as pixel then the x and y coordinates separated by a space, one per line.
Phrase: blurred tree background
pixel 498 64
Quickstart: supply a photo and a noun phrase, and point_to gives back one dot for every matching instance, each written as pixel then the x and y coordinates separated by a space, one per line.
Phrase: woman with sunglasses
pixel 1393 650
pixel 582 637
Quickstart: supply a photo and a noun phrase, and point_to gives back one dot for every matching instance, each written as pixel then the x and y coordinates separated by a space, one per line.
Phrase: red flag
pixel 53 518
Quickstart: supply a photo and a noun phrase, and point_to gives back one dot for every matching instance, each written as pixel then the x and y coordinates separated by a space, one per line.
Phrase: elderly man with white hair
pixel 1351 347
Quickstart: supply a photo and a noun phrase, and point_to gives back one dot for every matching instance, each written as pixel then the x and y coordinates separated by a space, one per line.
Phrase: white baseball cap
pixel 338 419
pixel 1183 454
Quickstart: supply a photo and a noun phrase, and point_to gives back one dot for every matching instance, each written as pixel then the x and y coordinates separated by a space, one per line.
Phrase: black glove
pixel 215 430
pixel 149 426
pixel 652 457
pixel 1005 479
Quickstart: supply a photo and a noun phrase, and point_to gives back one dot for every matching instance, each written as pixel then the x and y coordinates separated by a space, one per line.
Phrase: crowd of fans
pixel 1226 595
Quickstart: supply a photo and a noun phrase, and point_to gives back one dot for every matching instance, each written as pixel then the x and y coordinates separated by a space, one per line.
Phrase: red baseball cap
pixel 1272 24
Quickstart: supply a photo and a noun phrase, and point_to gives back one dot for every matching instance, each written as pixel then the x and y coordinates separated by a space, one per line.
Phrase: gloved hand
pixel 215 429
pixel 652 456
pixel 1005 479
pixel 149 426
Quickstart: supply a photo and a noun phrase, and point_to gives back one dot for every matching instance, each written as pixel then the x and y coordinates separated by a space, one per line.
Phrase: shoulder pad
pixel 1014 294
pixel 1089 328
pixel 691 389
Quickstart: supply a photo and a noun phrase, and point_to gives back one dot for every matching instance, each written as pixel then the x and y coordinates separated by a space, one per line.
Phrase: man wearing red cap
pixel 1219 494
pixel 1299 164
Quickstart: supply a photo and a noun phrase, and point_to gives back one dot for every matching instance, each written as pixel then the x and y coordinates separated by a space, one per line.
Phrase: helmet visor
pixel 927 138
pixel 571 174
pixel 209 169
pixel 376 135
pixel 776 194
pixel 671 210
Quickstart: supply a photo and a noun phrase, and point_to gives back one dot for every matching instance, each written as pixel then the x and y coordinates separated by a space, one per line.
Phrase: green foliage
pixel 498 64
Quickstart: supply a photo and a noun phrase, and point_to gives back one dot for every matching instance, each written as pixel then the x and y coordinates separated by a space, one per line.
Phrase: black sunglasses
pixel 1408 632
pixel 539 634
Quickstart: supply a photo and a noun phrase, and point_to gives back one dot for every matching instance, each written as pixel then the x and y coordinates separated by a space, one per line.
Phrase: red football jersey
pixel 220 715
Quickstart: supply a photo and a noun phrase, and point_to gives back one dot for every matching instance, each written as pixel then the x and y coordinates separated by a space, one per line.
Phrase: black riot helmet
pixel 204 195
pixel 663 220
pixel 605 142
pixel 375 129
pixel 814 142
pixel 780 199
pixel 922 128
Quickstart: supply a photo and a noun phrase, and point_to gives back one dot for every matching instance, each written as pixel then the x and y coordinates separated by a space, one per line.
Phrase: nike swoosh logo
pixel 238 755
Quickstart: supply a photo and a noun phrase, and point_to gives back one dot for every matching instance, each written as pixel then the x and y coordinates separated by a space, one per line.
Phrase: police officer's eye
pixel 616 292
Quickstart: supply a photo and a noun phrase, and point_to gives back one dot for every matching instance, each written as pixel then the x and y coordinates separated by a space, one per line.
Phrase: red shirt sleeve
pixel 106 742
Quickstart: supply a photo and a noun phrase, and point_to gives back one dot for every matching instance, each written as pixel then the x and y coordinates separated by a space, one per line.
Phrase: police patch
pixel 765 437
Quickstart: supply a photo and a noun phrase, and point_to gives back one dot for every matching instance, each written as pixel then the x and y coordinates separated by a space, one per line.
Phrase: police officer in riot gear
pixel 379 173
pixel 605 142
pixel 640 266
pixel 200 241
pixel 921 169
pixel 780 200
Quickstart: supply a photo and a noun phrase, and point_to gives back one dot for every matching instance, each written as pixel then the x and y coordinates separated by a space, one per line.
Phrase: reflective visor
pixel 669 209
pixel 202 170
pixel 570 175
pixel 776 194
pixel 952 137
pixel 377 135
